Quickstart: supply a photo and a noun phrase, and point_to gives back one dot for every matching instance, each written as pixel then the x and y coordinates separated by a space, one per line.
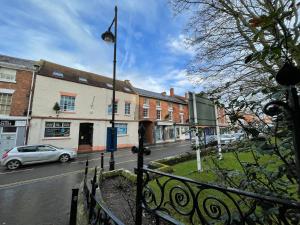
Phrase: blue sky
pixel 150 53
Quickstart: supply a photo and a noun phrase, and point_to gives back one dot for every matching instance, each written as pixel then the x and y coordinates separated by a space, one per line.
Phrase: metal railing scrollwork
pixel 192 202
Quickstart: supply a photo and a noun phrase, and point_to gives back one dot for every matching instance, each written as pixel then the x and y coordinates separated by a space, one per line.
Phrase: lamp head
pixel 288 75
pixel 108 36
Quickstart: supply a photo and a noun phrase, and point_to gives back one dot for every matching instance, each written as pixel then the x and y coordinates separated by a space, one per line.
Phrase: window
pixel 27 149
pixel 171 115
pixel 121 128
pixel 7 75
pixel 109 85
pixel 146 102
pixel 127 89
pixel 5 102
pixel 158 114
pixel 82 79
pixel 180 107
pixel 157 104
pixel 170 105
pixel 58 74
pixel 127 108
pixel 181 118
pixel 146 113
pixel 9 129
pixel 45 148
pixel 57 129
pixel 67 103
pixel 110 109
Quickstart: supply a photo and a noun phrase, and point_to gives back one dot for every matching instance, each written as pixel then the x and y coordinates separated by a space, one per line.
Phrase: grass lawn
pixel 211 204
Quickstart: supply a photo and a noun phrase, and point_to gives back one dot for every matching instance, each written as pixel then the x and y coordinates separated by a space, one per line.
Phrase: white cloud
pixel 179 45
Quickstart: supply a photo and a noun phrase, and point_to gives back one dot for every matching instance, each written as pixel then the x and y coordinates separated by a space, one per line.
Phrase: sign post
pixel 111 139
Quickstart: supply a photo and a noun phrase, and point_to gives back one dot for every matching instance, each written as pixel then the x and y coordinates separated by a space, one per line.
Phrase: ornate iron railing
pixel 98 213
pixel 173 199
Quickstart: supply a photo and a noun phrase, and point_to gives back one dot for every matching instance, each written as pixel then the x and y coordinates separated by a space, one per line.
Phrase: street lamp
pixel 108 36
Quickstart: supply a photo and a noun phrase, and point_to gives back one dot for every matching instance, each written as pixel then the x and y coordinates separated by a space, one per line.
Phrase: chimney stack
pixel 186 95
pixel 171 92
pixel 164 93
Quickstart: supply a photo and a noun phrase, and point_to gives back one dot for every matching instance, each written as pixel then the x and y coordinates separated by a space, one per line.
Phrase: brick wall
pixel 20 97
pixel 164 110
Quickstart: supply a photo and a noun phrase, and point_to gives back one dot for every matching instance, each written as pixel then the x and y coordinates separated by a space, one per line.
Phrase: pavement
pixel 41 194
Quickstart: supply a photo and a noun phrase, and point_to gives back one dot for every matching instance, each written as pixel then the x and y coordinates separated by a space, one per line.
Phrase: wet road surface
pixel 40 194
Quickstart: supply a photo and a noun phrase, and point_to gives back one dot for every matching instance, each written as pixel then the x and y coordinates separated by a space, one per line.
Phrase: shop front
pixel 164 132
pixel 12 132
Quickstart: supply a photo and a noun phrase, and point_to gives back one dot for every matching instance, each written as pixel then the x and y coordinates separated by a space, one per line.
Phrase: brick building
pixel 16 85
pixel 165 117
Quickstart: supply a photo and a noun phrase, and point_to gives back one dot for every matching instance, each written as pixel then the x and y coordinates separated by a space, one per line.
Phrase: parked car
pixel 31 154
pixel 226 138
pixel 239 136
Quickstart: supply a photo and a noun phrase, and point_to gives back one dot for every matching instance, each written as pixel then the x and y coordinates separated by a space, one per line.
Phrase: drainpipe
pixel 36 68
pixel 220 156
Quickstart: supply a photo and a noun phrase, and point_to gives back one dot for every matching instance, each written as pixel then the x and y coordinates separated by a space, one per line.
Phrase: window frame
pixel 13 75
pixel 158 117
pixel 6 106
pixel 69 103
pixel 121 125
pixel 55 127
pixel 146 110
pixel 127 108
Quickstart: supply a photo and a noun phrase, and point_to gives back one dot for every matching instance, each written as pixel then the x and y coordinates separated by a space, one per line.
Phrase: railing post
pixel 93 193
pixel 102 160
pixel 139 182
pixel 73 212
pixel 86 170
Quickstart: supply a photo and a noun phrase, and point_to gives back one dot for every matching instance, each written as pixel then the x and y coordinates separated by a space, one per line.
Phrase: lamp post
pixel 108 36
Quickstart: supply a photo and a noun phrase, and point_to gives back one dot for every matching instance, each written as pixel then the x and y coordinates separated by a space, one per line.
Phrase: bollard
pixel 73 212
pixel 102 160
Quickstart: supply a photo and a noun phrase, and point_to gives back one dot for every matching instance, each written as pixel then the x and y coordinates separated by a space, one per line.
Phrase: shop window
pixel 67 103
pixel 122 128
pixel 57 129
pixel 5 103
pixel 9 130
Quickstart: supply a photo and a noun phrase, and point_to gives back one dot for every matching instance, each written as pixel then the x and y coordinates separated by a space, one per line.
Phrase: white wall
pixel 48 91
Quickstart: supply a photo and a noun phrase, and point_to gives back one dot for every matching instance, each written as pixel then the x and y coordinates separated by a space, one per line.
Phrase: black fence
pixel 173 199
pixel 98 213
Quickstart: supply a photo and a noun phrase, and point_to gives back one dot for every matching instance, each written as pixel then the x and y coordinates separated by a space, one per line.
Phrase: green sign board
pixel 204 112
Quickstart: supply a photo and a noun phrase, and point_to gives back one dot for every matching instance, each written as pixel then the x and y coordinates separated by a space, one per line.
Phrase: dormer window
pixel 127 89
pixel 58 74
pixel 109 85
pixel 82 79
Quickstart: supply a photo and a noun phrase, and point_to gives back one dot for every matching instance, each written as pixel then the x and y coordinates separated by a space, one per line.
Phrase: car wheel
pixel 64 158
pixel 13 164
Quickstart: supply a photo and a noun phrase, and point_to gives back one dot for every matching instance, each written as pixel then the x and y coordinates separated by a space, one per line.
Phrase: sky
pixel 150 48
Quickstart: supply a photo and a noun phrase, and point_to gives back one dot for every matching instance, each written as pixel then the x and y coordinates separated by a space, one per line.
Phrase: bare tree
pixel 241 44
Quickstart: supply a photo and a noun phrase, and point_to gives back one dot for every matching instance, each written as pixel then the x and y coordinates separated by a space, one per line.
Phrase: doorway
pixel 86 134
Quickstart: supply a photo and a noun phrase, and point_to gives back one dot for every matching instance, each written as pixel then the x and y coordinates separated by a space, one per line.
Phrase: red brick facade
pixel 164 110
pixel 21 88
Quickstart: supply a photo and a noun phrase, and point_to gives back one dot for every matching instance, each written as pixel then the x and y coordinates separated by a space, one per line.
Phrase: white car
pixel 227 138
pixel 24 155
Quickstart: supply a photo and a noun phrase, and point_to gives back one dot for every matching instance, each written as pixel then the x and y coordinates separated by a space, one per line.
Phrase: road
pixel 40 194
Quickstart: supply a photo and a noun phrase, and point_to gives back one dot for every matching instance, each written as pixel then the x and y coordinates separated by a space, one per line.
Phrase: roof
pixel 78 76
pixel 18 63
pixel 151 94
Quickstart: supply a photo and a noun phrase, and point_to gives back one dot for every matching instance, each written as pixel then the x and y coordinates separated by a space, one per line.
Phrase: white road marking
pixel 16 171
